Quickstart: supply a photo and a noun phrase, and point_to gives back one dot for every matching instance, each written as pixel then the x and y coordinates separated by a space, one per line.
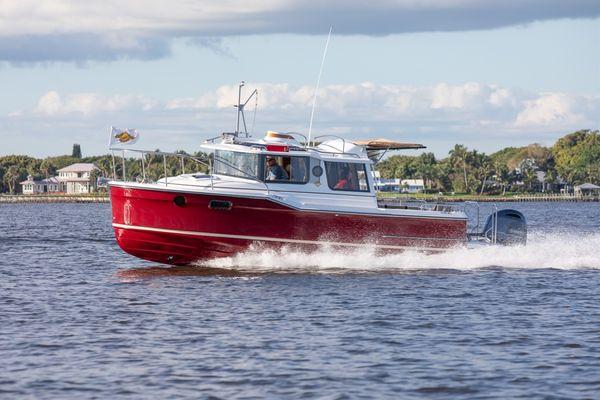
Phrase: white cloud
pixel 555 109
pixel 51 103
pixel 472 106
pixel 502 97
pixel 366 100
pixel 482 116
pixel 73 30
pixel 468 95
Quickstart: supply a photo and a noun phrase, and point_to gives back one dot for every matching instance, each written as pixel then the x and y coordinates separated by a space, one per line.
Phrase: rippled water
pixel 81 319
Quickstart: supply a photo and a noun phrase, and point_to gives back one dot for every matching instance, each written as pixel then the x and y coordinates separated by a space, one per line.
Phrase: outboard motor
pixel 506 227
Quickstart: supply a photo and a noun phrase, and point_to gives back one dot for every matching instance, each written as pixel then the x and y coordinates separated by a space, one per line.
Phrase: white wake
pixel 560 251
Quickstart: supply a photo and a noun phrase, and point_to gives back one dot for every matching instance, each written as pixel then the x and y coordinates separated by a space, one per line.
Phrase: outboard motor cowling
pixel 506 227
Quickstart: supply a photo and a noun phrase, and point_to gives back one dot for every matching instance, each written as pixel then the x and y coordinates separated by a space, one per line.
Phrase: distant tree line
pixel 573 159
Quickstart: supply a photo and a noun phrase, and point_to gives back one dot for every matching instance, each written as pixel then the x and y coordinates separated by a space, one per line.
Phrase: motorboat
pixel 285 191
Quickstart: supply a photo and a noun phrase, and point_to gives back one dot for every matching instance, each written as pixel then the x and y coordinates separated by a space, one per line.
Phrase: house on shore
pixel 385 185
pixel 76 178
pixel 73 179
pixel 31 186
pixel 544 184
pixel 412 185
pixel 397 184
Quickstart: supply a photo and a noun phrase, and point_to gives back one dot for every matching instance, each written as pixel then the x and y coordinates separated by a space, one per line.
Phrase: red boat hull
pixel 150 225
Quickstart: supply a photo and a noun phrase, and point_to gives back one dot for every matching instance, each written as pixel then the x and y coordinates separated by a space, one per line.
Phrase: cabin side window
pixel 344 176
pixel 284 169
pixel 234 163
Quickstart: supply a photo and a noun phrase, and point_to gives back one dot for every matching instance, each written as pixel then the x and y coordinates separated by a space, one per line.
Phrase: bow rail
pixel 209 166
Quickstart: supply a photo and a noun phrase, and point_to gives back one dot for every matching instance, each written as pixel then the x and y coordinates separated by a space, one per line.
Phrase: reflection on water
pixel 165 271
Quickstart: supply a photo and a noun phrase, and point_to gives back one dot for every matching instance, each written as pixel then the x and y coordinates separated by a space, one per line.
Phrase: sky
pixel 485 73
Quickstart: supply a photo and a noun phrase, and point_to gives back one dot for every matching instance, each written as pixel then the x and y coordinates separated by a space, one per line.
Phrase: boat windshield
pixel 234 163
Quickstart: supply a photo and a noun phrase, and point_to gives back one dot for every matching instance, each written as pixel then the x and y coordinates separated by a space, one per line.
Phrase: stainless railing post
pixel 114 165
pixel 165 167
pixel 143 169
pixel 124 174
pixel 211 172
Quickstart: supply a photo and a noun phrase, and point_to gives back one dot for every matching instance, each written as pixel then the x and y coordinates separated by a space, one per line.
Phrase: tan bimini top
pixel 385 144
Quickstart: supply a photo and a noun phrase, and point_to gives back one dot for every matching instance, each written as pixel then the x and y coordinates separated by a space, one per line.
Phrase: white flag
pixel 119 137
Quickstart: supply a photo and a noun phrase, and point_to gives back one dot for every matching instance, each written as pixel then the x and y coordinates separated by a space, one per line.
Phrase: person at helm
pixel 344 180
pixel 275 172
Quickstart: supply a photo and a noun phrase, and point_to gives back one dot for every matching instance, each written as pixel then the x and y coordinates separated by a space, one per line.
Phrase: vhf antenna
pixel 312 113
pixel 240 108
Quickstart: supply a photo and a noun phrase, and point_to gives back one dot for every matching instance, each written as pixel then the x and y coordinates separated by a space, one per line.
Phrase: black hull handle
pixel 220 205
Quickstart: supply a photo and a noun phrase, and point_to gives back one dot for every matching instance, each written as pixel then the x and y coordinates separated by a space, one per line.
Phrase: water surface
pixel 81 319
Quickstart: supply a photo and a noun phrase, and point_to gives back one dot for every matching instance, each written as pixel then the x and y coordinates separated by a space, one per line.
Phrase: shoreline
pixel 26 198
pixel 20 198
pixel 492 199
